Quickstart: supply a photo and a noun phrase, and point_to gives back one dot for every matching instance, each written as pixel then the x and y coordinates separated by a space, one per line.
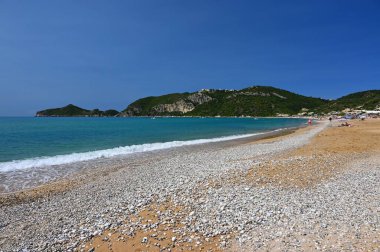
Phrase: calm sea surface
pixel 28 142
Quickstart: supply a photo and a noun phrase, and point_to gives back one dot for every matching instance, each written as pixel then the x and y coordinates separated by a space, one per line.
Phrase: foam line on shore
pixel 108 153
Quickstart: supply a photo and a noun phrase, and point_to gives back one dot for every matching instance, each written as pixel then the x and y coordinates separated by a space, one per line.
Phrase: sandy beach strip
pixel 316 189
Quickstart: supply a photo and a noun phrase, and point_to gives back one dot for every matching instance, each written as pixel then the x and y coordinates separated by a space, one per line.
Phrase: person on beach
pixel 345 124
pixel 309 122
pixel 330 118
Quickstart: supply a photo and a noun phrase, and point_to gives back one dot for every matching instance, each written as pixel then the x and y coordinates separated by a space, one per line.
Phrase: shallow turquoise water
pixel 30 138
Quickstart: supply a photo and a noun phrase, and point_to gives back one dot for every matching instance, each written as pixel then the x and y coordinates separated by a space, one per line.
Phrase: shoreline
pixel 232 197
pixel 125 148
pixel 204 143
pixel 191 164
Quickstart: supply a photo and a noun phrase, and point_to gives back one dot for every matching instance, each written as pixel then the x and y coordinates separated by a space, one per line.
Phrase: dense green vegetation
pixel 72 110
pixel 367 100
pixel 268 101
pixel 253 101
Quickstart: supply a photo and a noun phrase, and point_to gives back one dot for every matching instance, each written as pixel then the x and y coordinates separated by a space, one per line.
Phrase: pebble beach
pixel 316 189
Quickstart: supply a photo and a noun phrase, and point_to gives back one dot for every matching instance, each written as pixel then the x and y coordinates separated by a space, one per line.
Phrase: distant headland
pixel 251 101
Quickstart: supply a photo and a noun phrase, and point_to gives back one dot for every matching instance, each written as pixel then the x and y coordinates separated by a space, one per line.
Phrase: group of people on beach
pixel 344 124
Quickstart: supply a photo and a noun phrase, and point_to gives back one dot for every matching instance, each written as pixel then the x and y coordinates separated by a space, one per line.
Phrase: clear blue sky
pixel 106 54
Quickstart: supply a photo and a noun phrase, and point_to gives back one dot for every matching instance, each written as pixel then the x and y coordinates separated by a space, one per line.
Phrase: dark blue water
pixel 31 138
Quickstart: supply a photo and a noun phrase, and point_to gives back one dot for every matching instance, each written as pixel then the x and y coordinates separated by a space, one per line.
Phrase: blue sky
pixel 106 54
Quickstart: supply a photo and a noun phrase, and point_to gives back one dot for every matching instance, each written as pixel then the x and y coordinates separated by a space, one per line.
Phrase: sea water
pixel 27 142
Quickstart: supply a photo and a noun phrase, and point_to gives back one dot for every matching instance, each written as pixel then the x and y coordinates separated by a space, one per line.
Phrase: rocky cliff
pixel 183 104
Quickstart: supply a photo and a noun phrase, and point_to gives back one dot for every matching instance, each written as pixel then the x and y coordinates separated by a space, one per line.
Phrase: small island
pixel 75 111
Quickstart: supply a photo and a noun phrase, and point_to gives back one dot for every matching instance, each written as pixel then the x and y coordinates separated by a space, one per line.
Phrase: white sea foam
pixel 85 156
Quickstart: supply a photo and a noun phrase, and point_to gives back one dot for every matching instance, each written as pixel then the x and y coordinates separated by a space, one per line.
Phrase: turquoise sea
pixel 27 142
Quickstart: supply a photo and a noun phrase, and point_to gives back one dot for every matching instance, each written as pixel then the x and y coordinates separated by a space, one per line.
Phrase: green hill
pixel 366 100
pixel 252 101
pixel 72 110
